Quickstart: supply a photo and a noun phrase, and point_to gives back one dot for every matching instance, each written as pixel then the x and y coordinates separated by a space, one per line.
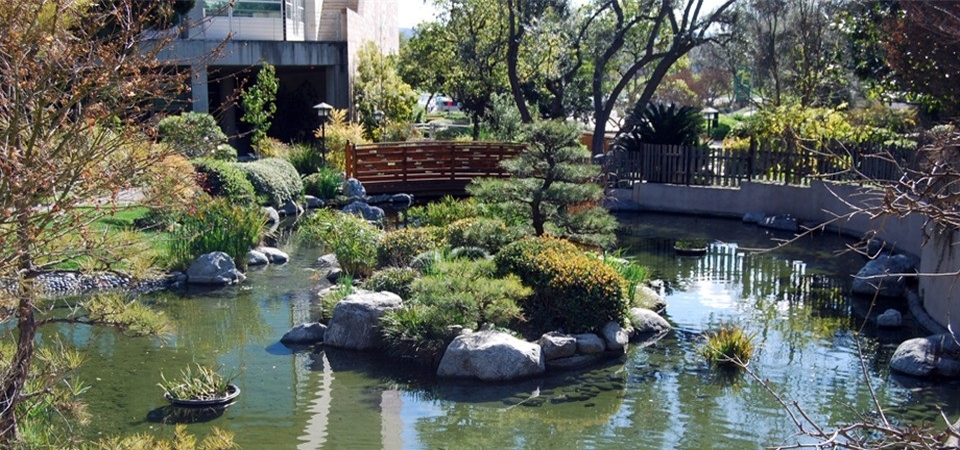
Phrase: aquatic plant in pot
pixel 690 246
pixel 205 387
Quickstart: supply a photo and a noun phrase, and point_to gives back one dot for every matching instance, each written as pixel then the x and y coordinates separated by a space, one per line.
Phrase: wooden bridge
pixel 426 168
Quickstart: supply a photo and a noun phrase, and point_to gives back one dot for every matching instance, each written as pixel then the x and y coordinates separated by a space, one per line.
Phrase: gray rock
pixel 272 215
pixel 556 345
pixel 304 334
pixel 356 320
pixel 328 260
pixel 615 336
pixel 354 189
pixel 255 258
pixel 491 356
pixel 401 200
pixel 369 213
pixel 877 276
pixel 334 274
pixel 783 222
pixel 650 298
pixel 291 208
pixel 753 217
pixel 931 356
pixel 215 268
pixel 313 202
pixel 274 255
pixel 890 318
pixel 589 344
pixel 647 323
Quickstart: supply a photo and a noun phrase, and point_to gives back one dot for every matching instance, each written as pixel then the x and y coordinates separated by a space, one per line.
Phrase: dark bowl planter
pixel 690 248
pixel 232 392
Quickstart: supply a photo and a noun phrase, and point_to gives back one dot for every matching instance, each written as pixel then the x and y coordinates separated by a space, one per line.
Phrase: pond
pixel 663 396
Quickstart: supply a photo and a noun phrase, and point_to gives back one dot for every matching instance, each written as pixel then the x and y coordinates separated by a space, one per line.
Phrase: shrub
pixel 351 238
pixel 730 345
pixel 306 159
pixel 572 290
pixel 222 179
pixel 172 183
pixel 338 132
pixel 719 132
pixel 460 292
pixel 443 212
pixel 392 279
pixel 658 123
pixel 399 247
pixel 225 152
pixel 469 253
pixel 486 233
pixel 191 134
pixel 329 301
pixel 269 147
pixel 325 184
pixel 217 225
pixel 634 275
pixel 273 179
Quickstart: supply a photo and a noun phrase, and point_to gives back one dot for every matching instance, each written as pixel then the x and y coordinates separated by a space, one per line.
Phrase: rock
pixel 291 208
pixel 272 215
pixel 369 213
pixel 589 343
pixel 937 355
pixel 313 202
pixel 647 323
pixel 615 336
pixel 328 260
pixel 255 258
pixel 333 275
pixel 354 189
pixel 753 217
pixel 783 222
pixel 214 268
pixel 649 298
pixel 875 277
pixel 275 255
pixel 557 345
pixel 491 356
pixel 304 334
pixel 890 318
pixel 401 200
pixel 356 320
pixel 573 362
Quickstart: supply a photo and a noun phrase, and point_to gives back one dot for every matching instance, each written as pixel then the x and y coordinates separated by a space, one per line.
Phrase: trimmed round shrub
pixel 572 290
pixel 392 279
pixel 274 179
pixel 325 184
pixel 223 179
pixel 191 134
pixel 399 247
pixel 486 233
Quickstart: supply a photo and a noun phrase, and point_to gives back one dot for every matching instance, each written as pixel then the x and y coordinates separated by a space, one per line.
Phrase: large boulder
pixel 354 189
pixel 491 356
pixel 274 255
pixel 615 336
pixel 931 356
pixel 557 345
pixel 647 324
pixel 890 318
pixel 356 320
pixel 255 258
pixel 880 276
pixel 369 213
pixel 590 344
pixel 304 334
pixel 215 268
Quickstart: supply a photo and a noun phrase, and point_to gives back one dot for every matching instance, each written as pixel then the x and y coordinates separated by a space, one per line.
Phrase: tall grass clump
pixel 306 159
pixel 443 212
pixel 205 384
pixel 634 275
pixel 325 184
pixel 351 238
pixel 729 346
pixel 216 225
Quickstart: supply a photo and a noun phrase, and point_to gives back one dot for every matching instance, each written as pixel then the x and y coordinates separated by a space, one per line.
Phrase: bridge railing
pixel 425 167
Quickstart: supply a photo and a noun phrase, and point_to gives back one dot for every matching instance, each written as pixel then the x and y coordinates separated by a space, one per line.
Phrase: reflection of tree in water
pixel 221 321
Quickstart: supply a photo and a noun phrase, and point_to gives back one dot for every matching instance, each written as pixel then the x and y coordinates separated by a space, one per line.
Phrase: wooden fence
pixel 425 167
pixel 768 162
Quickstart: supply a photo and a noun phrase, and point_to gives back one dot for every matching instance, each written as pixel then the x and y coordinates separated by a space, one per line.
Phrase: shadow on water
pixel 171 414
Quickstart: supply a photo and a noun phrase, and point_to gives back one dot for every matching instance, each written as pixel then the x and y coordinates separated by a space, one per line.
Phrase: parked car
pixel 445 104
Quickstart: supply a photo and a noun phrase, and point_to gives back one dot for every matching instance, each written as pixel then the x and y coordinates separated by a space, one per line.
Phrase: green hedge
pixel 487 233
pixel 192 134
pixel 223 179
pixel 572 290
pixel 275 180
pixel 399 247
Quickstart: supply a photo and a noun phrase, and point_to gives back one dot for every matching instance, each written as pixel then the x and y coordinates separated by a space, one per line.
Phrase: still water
pixel 660 397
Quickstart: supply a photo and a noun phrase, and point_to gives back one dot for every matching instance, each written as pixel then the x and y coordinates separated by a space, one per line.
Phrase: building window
pixel 244 8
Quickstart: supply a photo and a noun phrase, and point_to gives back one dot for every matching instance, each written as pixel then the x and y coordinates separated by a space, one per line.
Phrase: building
pixel 312 43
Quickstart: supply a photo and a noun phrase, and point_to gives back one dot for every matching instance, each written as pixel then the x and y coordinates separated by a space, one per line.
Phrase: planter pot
pixel 699 251
pixel 232 392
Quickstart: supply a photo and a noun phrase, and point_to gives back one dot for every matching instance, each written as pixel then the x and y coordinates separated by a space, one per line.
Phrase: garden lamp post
pixel 323 110
pixel 378 118
pixel 712 116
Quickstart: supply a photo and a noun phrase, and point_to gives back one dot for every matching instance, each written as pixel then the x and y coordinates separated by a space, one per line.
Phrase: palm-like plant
pixel 658 123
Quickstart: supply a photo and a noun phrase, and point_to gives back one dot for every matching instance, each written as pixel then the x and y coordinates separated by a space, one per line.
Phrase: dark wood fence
pixel 425 167
pixel 768 162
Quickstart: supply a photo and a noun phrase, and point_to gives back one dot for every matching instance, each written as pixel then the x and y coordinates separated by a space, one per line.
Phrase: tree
pixel 638 42
pixel 379 87
pixel 259 102
pixel 73 103
pixel 551 185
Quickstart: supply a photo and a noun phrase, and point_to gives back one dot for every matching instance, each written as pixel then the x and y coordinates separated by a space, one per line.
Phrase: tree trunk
pixel 513 57
pixel 14 379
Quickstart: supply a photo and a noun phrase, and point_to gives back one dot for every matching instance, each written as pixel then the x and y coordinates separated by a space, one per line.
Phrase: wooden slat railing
pixel 425 167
